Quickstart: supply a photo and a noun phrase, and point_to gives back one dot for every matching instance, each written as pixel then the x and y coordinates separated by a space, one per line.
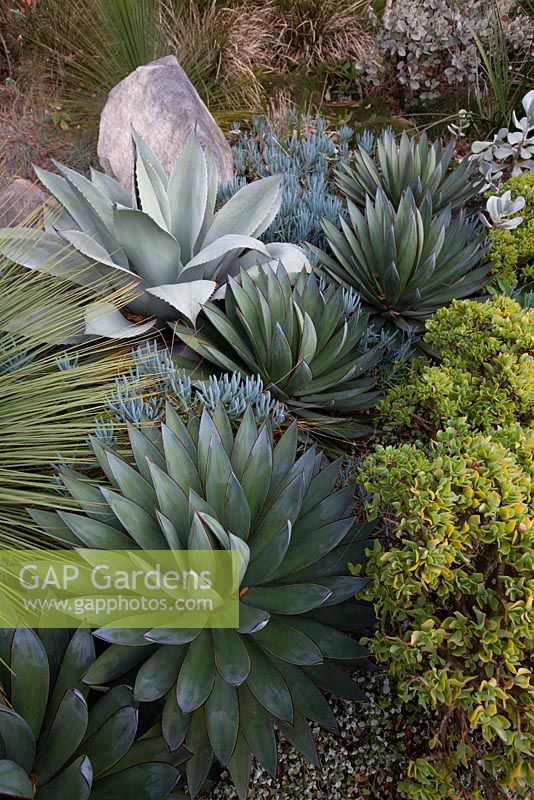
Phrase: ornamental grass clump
pixel 51 388
pixel 485 372
pixel 208 485
pixel 454 596
pixel 315 32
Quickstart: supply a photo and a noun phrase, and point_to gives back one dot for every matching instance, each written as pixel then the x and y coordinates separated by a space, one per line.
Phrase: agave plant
pixel 309 343
pixel 405 262
pixel 415 164
pixel 224 689
pixel 54 746
pixel 165 237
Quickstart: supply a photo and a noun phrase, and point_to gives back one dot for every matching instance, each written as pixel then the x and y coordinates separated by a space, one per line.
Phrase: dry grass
pixel 223 49
pixel 31 133
pixel 314 32
pixel 281 108
pixel 80 51
pixel 68 56
pixel 77 52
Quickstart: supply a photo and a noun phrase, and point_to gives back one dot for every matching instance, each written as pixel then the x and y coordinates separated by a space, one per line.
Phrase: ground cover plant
pixel 306 151
pixel 153 379
pixel 456 622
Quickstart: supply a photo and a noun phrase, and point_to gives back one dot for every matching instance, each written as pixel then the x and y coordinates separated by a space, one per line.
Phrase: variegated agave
pixel 226 689
pixel 165 238
pixel 310 343
pixel 405 262
pixel 415 164
pixel 54 746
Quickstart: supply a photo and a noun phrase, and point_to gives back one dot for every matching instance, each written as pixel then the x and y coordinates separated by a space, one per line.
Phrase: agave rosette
pixel 54 746
pixel 405 262
pixel 166 237
pixel 415 164
pixel 202 485
pixel 310 343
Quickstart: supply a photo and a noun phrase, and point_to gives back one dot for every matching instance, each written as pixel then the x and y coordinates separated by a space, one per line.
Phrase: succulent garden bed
pixel 318 370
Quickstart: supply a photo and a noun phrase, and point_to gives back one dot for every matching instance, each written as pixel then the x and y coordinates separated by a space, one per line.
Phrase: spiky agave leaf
pixel 166 236
pixel 411 163
pixel 309 343
pixel 405 262
pixel 55 745
pixel 226 689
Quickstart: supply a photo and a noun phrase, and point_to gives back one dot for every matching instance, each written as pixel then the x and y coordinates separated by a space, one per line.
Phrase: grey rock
pixel 160 101
pixel 20 199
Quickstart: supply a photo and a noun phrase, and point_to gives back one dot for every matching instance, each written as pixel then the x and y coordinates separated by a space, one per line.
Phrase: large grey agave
pixel 165 237
pixel 54 745
pixel 226 689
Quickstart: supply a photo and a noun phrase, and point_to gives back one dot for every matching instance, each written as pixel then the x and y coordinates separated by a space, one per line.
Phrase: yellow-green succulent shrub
pixel 454 596
pixel 512 251
pixel 485 371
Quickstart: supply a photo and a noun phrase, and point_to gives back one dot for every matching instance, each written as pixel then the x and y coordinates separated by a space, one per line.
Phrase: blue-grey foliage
pixel 306 154
pixel 67 361
pixel 366 140
pixel 105 431
pixel 154 379
pixel 12 356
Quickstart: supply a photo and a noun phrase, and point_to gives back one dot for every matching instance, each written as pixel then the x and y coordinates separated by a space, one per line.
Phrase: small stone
pixel 20 199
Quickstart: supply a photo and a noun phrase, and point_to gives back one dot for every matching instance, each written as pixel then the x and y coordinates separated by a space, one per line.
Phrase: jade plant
pixel 485 372
pixel 454 597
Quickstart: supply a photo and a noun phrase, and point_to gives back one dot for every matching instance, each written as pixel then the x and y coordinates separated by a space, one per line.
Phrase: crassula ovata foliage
pixel 454 594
